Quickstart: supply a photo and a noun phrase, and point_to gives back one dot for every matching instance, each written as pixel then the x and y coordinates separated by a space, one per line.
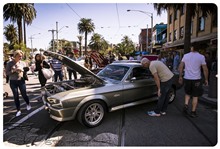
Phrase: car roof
pixel 126 63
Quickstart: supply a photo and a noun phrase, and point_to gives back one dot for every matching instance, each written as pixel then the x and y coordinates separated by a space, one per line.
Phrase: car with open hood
pixel 117 86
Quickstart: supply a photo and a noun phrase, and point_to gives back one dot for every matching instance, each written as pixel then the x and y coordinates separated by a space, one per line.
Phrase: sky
pixel 111 20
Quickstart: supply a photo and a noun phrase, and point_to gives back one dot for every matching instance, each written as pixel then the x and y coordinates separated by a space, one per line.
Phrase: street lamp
pixel 32 50
pixel 150 15
pixel 57 31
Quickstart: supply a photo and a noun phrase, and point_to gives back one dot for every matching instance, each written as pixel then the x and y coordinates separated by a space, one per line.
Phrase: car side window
pixel 141 73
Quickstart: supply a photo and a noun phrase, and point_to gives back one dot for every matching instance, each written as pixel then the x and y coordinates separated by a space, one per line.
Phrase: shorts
pixel 193 87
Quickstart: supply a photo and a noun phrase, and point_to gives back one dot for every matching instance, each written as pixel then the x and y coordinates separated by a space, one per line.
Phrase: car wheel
pixel 172 94
pixel 91 114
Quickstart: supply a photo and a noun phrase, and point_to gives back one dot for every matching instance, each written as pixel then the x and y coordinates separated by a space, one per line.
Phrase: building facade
pixel 203 31
pixel 145 39
pixel 159 37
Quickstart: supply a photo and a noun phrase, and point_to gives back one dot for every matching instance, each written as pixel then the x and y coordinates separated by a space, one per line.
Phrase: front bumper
pixel 61 115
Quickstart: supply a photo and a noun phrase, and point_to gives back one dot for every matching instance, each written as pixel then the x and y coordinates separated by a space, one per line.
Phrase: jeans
pixel 163 100
pixel 70 72
pixel 15 84
pixel 58 74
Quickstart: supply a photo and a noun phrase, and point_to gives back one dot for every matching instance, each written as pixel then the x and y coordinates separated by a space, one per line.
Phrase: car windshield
pixel 113 72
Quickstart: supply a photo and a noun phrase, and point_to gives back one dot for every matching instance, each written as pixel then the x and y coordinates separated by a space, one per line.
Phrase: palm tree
pixel 97 42
pixel 126 47
pixel 29 16
pixel 192 9
pixel 80 44
pixel 86 26
pixel 16 12
pixel 11 35
pixel 128 44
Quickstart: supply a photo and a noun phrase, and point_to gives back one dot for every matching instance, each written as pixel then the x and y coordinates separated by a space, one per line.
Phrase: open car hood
pixel 70 63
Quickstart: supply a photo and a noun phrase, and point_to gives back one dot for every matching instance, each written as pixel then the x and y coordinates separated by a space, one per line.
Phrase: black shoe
pixel 185 110
pixel 193 114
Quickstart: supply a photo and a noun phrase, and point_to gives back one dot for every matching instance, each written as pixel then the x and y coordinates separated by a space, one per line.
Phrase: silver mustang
pixel 119 85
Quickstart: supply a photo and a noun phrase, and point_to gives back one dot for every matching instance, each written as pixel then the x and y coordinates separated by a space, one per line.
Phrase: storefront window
pixel 201 24
pixel 175 35
pixel 181 32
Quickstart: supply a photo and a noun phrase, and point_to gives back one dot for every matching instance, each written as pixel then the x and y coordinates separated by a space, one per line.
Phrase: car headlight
pixel 54 102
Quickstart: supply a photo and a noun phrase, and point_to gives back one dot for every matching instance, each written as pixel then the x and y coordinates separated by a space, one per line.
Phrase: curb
pixel 207 100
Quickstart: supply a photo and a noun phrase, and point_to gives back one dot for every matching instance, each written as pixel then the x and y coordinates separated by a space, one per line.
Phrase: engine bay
pixel 57 87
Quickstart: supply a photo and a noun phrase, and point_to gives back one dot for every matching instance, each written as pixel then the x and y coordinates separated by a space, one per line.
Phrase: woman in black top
pixel 39 64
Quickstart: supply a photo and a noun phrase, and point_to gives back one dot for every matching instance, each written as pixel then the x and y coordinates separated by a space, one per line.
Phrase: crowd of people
pixel 162 70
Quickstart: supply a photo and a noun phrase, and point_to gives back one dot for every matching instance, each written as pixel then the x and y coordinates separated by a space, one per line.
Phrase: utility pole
pixel 57 30
pixel 53 30
pixel 147 39
pixel 150 15
pixel 32 50
pixel 57 34
pixel 31 46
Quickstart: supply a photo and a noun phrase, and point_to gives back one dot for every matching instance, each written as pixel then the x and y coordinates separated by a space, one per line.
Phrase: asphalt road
pixel 128 127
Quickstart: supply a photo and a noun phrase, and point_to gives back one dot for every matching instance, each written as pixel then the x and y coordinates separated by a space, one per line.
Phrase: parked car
pixel 117 86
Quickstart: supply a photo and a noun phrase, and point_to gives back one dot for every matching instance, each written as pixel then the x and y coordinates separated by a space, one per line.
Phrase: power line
pixel 118 15
pixel 73 11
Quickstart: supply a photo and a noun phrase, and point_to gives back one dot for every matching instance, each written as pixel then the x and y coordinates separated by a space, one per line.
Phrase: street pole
pixel 31 37
pixel 151 32
pixel 57 31
pixel 31 46
pixel 147 39
pixel 57 34
pixel 52 37
pixel 150 15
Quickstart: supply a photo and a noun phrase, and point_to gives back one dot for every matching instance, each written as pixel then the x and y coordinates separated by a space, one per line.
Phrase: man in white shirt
pixel 192 62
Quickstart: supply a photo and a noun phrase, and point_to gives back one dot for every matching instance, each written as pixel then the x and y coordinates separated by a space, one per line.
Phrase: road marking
pixel 13 108
pixel 23 119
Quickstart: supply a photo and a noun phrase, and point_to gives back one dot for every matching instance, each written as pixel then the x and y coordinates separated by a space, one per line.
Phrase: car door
pixel 139 85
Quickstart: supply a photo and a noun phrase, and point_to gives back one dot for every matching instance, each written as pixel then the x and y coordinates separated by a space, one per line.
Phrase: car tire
pixel 91 114
pixel 171 95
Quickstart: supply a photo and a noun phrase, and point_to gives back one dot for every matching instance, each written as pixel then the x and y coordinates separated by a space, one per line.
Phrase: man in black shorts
pixel 193 61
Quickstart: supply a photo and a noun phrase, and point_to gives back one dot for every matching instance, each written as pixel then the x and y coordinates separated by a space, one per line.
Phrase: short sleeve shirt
pixel 161 69
pixel 56 64
pixel 193 62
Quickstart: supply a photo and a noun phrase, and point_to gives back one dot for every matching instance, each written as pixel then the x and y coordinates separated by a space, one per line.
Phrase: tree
pixel 97 42
pixel 29 16
pixel 86 26
pixel 126 47
pixel 80 44
pixel 22 47
pixel 192 9
pixel 6 51
pixel 129 45
pixel 11 35
pixel 16 12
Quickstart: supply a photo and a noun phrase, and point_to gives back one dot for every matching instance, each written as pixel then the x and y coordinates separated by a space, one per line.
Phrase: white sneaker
pixel 28 107
pixel 18 113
